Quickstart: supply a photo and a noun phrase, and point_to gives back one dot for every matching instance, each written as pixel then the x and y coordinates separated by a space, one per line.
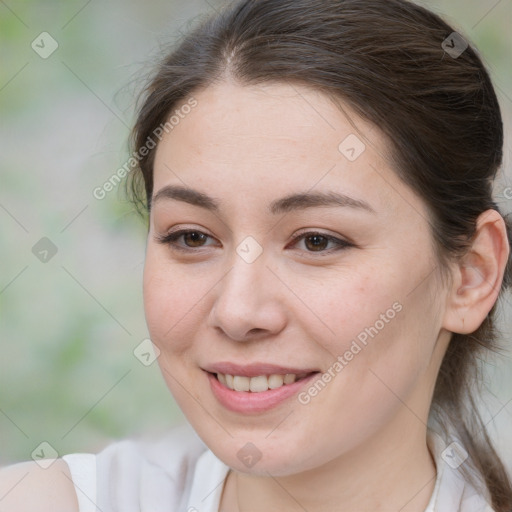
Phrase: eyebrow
pixel 292 202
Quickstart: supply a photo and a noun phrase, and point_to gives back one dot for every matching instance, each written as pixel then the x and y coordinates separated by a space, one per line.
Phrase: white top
pixel 178 473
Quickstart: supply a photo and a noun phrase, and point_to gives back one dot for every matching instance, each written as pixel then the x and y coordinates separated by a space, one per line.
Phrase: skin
pixel 26 487
pixel 346 449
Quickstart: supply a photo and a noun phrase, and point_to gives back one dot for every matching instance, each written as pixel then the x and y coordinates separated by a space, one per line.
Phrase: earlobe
pixel 478 275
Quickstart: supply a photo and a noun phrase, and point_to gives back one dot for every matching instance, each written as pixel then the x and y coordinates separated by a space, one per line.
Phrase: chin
pixel 260 458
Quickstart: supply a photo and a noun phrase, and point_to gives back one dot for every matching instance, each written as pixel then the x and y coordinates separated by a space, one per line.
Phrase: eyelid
pixel 310 231
pixel 341 242
pixel 172 236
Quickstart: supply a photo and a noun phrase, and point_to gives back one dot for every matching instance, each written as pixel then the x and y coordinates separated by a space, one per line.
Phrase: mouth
pixel 256 387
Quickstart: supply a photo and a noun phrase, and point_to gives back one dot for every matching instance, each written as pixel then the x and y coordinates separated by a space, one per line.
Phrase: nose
pixel 247 302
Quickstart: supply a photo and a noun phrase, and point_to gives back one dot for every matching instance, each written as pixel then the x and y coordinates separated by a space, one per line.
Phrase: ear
pixel 478 275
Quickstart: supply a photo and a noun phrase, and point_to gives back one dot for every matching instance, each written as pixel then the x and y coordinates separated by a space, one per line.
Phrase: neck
pixel 392 471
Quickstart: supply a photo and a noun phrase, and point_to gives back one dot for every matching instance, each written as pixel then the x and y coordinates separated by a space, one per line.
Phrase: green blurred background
pixel 69 326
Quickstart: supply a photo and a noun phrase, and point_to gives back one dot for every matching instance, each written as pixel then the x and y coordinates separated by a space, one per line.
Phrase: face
pixel 296 250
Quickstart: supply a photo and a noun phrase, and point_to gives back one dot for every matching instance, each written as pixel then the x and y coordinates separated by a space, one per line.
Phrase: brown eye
pixel 196 238
pixel 317 242
pixel 193 239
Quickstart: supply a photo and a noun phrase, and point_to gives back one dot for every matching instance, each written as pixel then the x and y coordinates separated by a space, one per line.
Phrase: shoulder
pixel 26 487
pixel 149 472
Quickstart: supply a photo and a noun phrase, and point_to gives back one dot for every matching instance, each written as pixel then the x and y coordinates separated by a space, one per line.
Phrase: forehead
pixel 266 117
pixel 273 139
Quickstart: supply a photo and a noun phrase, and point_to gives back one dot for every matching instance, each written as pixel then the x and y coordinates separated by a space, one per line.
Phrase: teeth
pixel 256 384
pixel 241 383
pixel 289 378
pixel 275 381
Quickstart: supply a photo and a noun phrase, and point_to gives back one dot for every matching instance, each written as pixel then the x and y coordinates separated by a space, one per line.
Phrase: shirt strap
pixel 82 467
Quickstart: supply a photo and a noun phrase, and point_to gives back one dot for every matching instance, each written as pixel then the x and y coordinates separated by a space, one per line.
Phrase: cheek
pixel 376 368
pixel 347 304
pixel 171 307
pixel 173 299
pixel 374 326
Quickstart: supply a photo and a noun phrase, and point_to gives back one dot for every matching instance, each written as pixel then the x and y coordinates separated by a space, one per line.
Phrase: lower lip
pixel 248 402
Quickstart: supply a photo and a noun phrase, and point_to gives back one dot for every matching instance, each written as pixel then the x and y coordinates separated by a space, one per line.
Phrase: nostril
pixel 256 330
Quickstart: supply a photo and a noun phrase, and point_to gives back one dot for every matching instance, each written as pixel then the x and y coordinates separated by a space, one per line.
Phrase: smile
pixel 245 394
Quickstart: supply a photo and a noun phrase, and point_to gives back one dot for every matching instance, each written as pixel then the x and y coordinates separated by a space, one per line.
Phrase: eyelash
pixel 171 238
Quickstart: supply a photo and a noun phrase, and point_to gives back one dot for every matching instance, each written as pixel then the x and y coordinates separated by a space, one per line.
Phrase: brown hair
pixel 386 60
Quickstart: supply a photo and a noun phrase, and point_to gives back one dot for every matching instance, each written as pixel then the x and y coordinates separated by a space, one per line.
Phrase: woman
pixel 324 259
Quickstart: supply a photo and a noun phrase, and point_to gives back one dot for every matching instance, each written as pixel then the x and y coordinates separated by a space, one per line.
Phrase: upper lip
pixel 255 369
